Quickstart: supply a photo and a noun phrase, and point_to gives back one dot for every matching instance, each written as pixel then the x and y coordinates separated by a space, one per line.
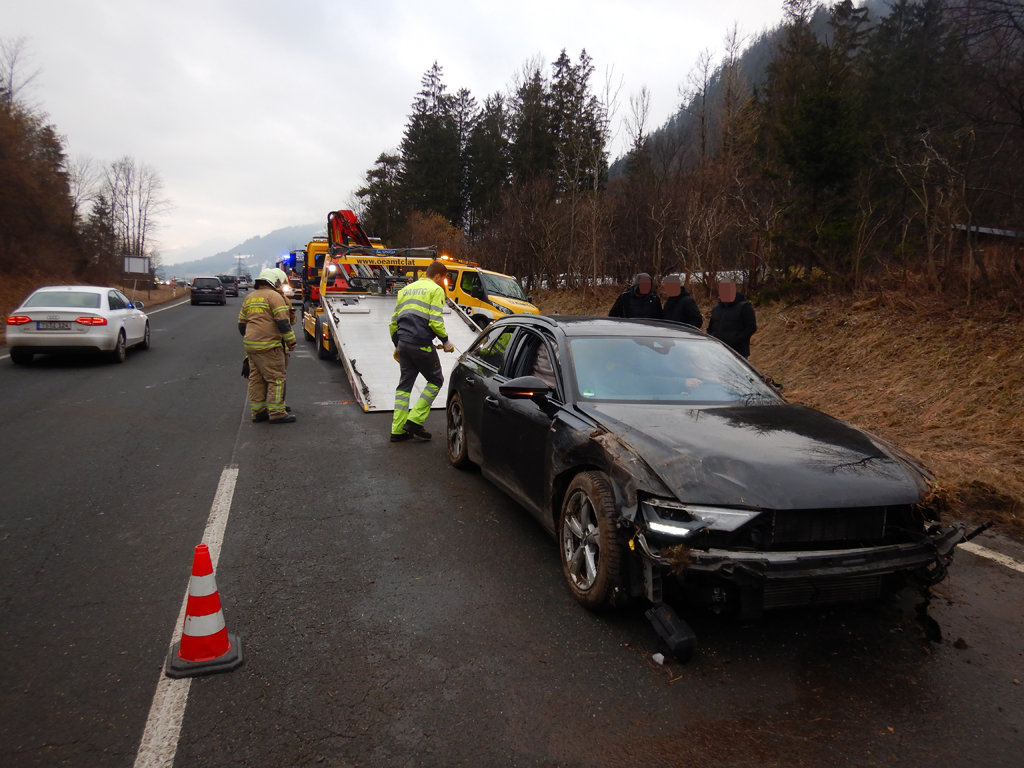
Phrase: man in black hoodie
pixel 680 305
pixel 639 300
pixel 732 319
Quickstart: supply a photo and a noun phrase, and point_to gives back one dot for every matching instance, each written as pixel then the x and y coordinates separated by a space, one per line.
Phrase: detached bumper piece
pixel 674 631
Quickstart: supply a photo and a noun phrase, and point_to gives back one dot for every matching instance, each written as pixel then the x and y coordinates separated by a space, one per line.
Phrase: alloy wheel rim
pixel 580 542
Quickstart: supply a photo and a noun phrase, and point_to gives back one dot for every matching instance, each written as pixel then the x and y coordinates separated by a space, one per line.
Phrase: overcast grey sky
pixel 260 115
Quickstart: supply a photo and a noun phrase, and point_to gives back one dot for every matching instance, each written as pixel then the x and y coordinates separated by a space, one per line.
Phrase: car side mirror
pixel 524 388
pixel 136 305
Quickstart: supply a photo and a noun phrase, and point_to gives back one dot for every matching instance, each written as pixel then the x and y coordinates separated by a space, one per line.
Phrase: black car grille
pixel 838 527
pixel 789 594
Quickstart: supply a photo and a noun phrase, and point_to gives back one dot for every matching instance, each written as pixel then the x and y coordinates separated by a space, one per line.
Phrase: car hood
pixel 765 457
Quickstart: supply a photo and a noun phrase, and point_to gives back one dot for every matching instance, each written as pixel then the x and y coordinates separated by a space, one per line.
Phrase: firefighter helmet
pixel 270 276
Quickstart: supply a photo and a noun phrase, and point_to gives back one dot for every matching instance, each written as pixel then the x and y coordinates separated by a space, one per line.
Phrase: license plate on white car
pixel 53 325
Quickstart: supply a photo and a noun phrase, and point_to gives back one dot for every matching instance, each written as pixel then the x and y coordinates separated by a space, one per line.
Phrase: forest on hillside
pixel 853 146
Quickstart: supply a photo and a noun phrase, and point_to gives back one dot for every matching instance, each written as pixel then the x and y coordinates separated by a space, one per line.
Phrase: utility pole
pixel 238 265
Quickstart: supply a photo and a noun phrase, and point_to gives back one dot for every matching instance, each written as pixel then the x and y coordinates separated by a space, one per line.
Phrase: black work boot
pixel 416 430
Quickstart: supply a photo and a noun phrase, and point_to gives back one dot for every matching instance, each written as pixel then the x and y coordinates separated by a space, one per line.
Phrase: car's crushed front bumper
pixel 776 579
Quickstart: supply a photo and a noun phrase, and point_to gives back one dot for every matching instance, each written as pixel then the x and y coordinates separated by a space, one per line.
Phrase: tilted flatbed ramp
pixel 359 326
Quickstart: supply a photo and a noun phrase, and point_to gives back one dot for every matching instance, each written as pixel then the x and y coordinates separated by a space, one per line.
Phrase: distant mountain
pixel 248 257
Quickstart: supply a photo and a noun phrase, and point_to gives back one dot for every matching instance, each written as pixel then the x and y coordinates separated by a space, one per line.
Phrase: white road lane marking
pixel 998 557
pixel 167 712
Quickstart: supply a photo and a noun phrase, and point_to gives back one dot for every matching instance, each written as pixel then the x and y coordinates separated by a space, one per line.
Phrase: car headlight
pixel 504 310
pixel 673 518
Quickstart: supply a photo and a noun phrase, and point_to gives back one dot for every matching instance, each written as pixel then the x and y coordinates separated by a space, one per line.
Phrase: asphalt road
pixel 394 611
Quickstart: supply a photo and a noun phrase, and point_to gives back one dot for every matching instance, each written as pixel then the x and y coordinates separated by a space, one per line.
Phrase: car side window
pixel 470 282
pixel 124 300
pixel 535 356
pixel 114 299
pixel 492 348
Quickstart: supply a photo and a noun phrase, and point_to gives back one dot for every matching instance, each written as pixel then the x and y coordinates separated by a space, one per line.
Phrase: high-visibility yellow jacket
pixel 263 320
pixel 417 318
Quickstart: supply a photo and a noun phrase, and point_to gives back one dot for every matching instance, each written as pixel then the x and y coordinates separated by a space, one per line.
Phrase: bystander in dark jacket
pixel 639 300
pixel 680 306
pixel 732 319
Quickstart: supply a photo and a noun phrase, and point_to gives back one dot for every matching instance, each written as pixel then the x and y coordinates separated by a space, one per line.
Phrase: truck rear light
pixel 18 320
pixel 91 320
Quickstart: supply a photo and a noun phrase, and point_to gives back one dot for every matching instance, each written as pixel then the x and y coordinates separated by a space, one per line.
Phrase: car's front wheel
pixel 456 433
pixel 591 548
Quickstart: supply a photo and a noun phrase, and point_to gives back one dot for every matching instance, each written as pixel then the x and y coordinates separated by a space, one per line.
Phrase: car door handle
pixel 492 402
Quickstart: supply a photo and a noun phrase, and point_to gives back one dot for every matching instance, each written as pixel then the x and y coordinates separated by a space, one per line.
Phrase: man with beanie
pixel 680 306
pixel 639 300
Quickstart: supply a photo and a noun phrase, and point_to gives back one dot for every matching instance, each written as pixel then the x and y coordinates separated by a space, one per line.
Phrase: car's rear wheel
pixel 456 433
pixel 21 357
pixel 591 548
pixel 120 352
pixel 145 343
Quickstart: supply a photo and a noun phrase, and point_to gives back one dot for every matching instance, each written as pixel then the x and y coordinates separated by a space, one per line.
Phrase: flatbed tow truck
pixel 356 302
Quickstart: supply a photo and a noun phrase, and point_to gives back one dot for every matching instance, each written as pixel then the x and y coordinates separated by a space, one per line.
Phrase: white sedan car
pixel 76 318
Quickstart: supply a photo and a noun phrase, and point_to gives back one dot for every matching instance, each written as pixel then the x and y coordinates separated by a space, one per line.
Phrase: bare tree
pixel 135 195
pixel 12 82
pixel 85 179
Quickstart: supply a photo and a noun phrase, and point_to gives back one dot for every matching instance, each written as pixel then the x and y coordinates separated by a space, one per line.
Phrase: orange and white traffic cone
pixel 205 647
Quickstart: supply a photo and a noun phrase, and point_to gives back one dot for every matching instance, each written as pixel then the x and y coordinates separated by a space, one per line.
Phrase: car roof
pixel 68 288
pixel 585 325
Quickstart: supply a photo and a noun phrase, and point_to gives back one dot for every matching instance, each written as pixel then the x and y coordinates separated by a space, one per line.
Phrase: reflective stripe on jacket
pixel 417 318
pixel 263 314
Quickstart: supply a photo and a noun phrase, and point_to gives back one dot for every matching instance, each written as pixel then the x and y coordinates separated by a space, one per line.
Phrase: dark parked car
pixel 652 452
pixel 209 290
pixel 230 283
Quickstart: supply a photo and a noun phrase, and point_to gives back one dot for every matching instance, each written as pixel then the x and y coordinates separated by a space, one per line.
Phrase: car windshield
pixel 76 299
pixel 503 285
pixel 664 368
pixel 207 282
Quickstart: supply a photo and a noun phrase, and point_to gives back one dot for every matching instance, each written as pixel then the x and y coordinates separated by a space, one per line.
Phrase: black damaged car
pixel 652 451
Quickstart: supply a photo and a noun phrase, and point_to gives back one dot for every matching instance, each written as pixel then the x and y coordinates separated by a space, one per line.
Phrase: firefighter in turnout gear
pixel 415 323
pixel 263 322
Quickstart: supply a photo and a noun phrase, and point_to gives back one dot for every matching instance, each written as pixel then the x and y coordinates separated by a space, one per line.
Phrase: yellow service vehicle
pixel 485 295
pixel 482 294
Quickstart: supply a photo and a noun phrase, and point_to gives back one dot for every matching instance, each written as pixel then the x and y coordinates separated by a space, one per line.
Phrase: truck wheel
pixel 318 337
pixel 592 552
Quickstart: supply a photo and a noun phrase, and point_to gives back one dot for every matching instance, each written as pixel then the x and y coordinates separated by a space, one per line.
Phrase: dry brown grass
pixel 945 385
